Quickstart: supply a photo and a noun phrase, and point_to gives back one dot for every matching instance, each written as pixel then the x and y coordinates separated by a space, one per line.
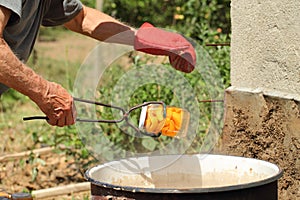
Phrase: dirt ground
pixel 266 128
pixel 51 170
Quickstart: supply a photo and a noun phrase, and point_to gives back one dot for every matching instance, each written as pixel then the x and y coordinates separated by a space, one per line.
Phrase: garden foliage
pixel 205 21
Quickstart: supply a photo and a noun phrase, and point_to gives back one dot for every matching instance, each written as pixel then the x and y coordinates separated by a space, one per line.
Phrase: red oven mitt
pixel 156 41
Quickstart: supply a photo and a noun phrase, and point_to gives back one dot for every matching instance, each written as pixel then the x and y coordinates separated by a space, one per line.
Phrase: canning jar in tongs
pixel 124 115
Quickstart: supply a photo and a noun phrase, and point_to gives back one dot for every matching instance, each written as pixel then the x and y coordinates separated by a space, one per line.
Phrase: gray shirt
pixel 26 18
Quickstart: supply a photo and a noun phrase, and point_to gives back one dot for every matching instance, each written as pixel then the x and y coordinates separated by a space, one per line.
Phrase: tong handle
pixel 85 120
pixel 78 119
pixel 35 117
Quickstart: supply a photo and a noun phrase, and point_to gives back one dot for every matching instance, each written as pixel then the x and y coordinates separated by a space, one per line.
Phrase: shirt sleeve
pixel 16 9
pixel 58 12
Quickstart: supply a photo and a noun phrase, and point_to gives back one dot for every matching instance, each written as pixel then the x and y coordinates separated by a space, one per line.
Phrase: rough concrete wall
pixel 265 45
pixel 262 109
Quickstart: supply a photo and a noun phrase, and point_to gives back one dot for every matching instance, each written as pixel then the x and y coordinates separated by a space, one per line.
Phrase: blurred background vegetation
pixel 206 21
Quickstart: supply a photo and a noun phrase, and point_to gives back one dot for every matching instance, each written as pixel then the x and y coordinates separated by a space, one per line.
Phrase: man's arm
pixel 52 99
pixel 4 17
pixel 147 39
pixel 101 26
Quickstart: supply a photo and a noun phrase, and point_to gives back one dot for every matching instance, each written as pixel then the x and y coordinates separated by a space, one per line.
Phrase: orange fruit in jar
pixel 173 122
pixel 168 126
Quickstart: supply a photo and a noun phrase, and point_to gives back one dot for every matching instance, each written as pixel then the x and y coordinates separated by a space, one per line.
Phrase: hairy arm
pixel 13 72
pixel 101 26
pixel 52 99
pixel 147 39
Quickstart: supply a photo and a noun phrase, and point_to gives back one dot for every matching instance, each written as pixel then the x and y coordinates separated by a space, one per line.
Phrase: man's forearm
pixel 17 75
pixel 102 27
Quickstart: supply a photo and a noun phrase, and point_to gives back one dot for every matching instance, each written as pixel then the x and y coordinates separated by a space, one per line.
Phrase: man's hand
pixel 57 104
pixel 155 41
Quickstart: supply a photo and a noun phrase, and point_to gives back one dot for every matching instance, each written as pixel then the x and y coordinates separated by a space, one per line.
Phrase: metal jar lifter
pixel 156 118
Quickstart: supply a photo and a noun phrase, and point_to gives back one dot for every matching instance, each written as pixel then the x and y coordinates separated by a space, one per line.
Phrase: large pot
pixel 185 177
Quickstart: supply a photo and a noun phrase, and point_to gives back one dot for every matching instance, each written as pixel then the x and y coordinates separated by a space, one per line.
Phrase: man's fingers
pixel 52 121
pixel 70 119
pixel 61 122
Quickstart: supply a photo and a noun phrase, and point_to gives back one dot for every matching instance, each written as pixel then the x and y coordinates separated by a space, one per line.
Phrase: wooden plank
pixel 16 156
pixel 61 190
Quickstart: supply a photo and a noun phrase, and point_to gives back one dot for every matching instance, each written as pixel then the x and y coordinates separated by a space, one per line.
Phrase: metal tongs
pixel 125 115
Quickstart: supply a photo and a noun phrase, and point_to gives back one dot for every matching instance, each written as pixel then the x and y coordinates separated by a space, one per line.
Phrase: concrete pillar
pixel 262 109
pixel 265 45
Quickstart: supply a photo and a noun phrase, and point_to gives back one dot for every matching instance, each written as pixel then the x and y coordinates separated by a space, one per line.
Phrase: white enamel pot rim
pixel 101 175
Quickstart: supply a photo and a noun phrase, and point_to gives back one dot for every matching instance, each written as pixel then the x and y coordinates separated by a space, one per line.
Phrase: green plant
pixel 203 21
pixel 35 161
pixel 9 100
pixel 206 21
pixel 130 85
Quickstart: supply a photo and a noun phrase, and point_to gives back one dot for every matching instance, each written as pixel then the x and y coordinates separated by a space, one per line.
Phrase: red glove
pixel 156 41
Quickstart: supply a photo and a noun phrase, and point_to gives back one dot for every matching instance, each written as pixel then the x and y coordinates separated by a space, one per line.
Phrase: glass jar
pixel 172 121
